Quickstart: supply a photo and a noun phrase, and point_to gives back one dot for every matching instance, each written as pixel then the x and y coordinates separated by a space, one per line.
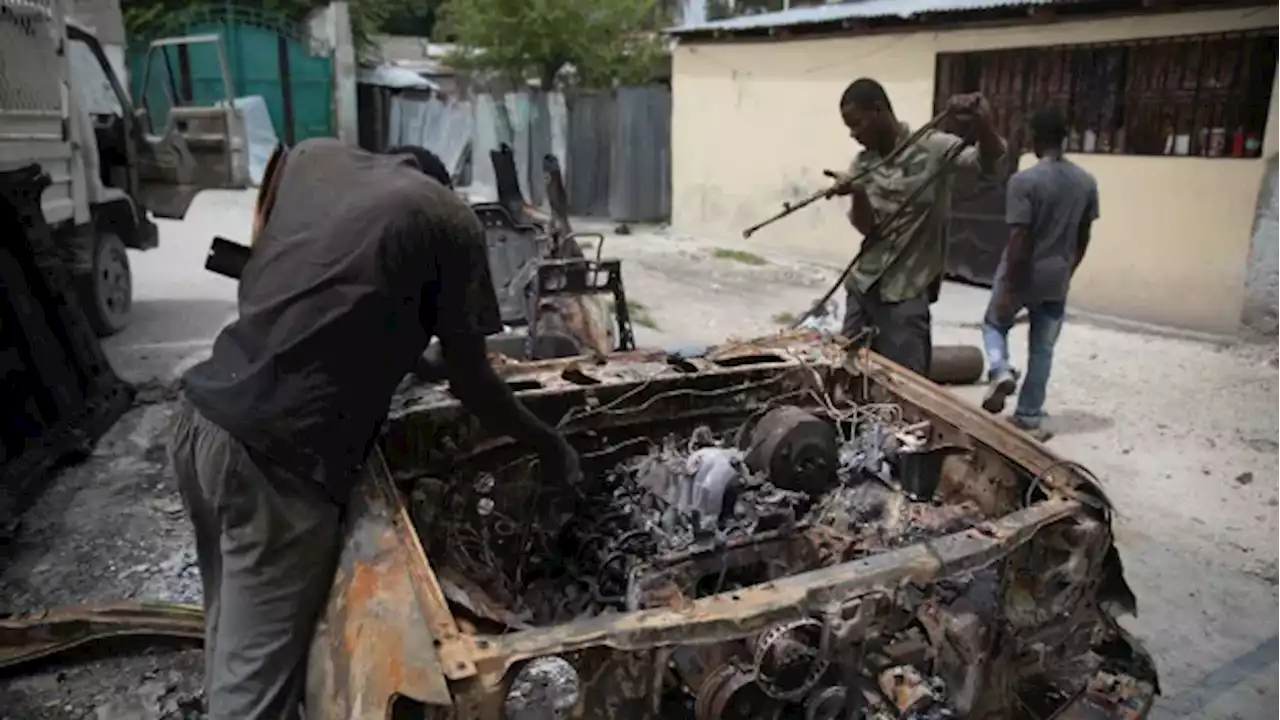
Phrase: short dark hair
pixel 1049 126
pixel 863 94
pixel 429 162
pixel 268 189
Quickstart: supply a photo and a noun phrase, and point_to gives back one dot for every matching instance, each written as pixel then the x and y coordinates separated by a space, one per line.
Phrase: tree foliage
pixel 604 41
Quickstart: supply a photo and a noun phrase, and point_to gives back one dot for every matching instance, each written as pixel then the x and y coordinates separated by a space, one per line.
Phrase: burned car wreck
pixel 772 530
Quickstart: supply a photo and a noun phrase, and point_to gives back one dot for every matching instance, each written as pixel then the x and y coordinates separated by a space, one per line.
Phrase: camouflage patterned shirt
pixel 913 252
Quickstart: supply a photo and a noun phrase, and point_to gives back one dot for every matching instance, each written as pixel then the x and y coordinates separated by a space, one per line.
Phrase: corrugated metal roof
pixel 859 9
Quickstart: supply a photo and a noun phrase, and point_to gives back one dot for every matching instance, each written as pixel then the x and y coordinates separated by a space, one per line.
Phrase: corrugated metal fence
pixel 615 147
pixel 444 128
pixel 640 167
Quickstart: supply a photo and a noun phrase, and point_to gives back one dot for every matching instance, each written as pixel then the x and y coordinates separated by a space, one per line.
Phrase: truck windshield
pixel 90 79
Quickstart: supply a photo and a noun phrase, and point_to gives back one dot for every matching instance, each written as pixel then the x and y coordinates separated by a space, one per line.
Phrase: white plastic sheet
pixel 397 78
pixel 832 320
pixel 260 135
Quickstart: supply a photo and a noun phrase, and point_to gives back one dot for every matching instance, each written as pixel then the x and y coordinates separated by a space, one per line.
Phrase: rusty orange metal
pixel 374 643
pixel 389 630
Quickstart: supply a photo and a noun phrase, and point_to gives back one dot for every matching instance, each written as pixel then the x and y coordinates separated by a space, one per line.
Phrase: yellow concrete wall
pixel 755 124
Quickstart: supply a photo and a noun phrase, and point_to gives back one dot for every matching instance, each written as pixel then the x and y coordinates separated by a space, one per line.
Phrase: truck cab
pixel 62 107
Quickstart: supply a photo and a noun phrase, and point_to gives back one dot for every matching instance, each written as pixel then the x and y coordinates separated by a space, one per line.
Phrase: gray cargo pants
pixel 903 329
pixel 267 542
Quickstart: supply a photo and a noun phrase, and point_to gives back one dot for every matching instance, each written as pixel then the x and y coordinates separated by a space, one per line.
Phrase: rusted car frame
pixel 390 646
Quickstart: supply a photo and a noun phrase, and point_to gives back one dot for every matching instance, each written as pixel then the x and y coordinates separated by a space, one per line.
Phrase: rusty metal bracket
pixel 454 648
pixel 45 633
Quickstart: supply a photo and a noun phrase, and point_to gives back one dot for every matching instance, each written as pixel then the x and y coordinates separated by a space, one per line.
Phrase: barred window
pixel 1202 95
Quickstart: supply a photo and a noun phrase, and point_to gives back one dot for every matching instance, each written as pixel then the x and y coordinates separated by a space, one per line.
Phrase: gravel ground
pixel 1182 432
pixel 108 529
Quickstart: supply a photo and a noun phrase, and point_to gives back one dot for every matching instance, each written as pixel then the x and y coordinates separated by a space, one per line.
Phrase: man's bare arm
pixel 485 395
pixel 1018 266
pixel 1082 242
pixel 991 147
pixel 1085 231
pixel 861 214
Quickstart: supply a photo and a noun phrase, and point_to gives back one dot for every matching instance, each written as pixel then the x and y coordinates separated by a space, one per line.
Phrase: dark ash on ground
pixel 109 528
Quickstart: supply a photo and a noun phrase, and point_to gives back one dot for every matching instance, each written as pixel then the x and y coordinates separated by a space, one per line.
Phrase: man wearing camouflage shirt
pixel 900 270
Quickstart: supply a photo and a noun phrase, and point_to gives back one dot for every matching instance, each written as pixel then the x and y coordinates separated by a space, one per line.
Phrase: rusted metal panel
pixel 1035 502
pixel 454 655
pixel 40 635
pixel 748 611
pixel 374 642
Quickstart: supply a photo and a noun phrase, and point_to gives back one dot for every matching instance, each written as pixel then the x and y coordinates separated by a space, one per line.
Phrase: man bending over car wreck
pixel 358 261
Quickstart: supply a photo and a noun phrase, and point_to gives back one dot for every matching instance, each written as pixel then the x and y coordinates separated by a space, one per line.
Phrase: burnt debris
pixel 799 488
pixel 692 514
pixel 768 535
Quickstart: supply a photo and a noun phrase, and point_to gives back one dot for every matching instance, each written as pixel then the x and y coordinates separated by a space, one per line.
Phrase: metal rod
pixel 873 237
pixel 791 207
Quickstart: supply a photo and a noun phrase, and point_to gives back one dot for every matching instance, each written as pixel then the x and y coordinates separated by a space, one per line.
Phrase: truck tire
pixel 106 293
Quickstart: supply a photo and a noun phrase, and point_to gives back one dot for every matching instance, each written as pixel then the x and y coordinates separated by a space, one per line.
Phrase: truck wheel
pixel 107 292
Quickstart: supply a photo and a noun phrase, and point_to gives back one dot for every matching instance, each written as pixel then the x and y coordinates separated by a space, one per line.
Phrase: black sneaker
pixel 1002 385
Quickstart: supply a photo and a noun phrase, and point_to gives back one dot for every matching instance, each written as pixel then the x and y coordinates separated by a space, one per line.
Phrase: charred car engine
pixel 688 510
pixel 784 492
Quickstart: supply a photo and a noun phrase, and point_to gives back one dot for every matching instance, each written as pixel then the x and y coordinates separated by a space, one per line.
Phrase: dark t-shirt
pixel 362 260
pixel 1050 199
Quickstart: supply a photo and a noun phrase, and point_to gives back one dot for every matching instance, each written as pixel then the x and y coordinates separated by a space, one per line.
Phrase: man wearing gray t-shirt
pixel 1051 207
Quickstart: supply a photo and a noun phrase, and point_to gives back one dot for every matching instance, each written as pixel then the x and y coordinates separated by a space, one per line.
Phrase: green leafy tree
pixel 415 19
pixel 605 41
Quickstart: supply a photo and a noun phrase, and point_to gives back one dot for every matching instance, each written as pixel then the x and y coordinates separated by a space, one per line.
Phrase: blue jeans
pixel 1046 325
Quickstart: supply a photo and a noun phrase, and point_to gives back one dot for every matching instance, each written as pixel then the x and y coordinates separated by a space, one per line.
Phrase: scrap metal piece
pixel 1111 696
pixel 746 612
pixel 789 660
pixel 731 693
pixel 45 633
pixel 694 665
pixel 671 579
pixel 796 449
pixel 557 195
pixel 907 689
pixel 374 641
pixel 713 471
pixel 825 704
pixel 956 364
pixel 544 689
pixel 461 591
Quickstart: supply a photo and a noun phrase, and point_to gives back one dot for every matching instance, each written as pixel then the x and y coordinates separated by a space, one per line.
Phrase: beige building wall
pixel 755 123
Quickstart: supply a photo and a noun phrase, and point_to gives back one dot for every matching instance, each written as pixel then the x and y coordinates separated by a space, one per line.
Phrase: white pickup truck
pixel 62 107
